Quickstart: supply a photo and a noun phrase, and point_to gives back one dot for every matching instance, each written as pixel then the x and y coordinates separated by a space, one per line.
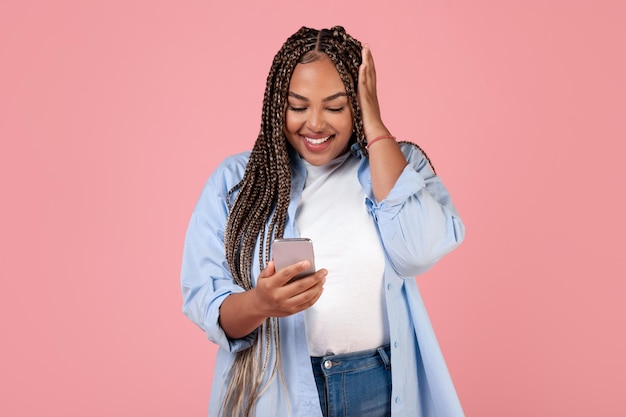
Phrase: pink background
pixel 114 113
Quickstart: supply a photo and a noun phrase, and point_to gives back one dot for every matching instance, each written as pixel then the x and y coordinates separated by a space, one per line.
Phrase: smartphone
pixel 289 251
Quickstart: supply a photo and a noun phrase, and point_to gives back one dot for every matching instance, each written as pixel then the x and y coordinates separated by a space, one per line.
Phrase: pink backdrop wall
pixel 114 113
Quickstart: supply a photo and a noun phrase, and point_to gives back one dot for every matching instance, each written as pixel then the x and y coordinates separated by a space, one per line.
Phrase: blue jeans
pixel 354 384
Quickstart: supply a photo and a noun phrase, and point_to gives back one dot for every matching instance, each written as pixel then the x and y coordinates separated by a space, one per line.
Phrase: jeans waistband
pixel 346 362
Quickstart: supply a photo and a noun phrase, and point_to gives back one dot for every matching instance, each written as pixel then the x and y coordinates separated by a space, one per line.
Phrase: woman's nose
pixel 316 121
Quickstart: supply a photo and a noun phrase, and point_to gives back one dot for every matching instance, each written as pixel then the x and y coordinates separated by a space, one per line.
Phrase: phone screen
pixel 289 251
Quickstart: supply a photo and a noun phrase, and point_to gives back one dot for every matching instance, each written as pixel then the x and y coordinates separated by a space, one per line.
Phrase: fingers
pixel 307 291
pixel 307 299
pixel 269 270
pixel 279 297
pixel 288 273
pixel 373 125
pixel 367 71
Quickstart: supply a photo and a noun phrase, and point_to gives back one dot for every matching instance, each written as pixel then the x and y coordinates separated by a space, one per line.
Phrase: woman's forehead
pixel 320 74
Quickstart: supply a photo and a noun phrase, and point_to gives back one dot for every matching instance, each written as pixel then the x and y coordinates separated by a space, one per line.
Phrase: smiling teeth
pixel 317 141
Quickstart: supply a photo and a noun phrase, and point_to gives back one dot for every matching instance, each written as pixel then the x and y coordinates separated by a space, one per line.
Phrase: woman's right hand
pixel 276 296
pixel 273 296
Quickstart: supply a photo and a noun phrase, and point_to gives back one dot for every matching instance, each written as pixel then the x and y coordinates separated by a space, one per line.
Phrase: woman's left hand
pixel 386 159
pixel 373 125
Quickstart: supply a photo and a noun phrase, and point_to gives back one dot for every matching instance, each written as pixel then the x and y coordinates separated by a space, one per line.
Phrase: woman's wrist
pixel 379 138
pixel 240 314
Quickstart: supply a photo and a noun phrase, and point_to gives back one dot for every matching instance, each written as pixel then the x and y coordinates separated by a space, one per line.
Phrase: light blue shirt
pixel 417 224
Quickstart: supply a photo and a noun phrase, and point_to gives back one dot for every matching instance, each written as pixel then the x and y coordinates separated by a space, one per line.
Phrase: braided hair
pixel 261 199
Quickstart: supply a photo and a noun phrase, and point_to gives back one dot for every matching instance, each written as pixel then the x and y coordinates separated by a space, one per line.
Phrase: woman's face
pixel 318 121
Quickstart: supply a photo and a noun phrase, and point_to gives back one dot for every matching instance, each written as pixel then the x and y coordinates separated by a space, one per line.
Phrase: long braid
pixel 258 212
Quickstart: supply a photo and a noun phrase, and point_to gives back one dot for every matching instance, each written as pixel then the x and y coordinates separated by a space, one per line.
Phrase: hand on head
pixel 373 125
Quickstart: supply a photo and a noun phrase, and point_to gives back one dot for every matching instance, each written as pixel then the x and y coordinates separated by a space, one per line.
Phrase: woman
pixel 352 339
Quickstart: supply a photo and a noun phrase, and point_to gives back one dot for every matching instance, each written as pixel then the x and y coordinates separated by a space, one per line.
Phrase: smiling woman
pixel 318 122
pixel 342 341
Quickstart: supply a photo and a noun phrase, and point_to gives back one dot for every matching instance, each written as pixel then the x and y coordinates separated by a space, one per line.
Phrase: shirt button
pixel 388 286
pixel 328 364
pixel 395 344
pixel 398 401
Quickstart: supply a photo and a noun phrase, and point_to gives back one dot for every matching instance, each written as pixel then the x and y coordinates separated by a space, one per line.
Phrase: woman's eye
pixel 335 109
pixel 297 109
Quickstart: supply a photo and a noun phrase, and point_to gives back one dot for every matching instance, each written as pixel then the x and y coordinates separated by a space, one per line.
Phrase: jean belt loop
pixel 384 357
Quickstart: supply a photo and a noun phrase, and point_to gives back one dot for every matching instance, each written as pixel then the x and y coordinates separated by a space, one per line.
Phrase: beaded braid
pixel 261 199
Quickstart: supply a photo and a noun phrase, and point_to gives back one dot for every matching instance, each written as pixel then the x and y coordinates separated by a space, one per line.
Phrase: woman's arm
pixel 225 311
pixel 205 278
pixel 414 213
pixel 417 221
pixel 386 159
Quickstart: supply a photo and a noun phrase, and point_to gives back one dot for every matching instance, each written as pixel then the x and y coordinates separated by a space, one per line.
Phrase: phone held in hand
pixel 289 251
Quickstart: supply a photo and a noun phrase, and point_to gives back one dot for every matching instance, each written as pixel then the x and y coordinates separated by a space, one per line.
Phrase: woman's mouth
pixel 314 141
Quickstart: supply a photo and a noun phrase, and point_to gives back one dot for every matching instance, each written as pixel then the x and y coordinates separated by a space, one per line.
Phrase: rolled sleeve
pixel 205 277
pixel 408 184
pixel 417 222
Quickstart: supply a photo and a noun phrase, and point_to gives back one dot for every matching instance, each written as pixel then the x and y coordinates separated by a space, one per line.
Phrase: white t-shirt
pixel 350 315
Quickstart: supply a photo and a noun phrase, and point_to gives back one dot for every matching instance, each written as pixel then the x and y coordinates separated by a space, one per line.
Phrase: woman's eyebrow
pixel 329 98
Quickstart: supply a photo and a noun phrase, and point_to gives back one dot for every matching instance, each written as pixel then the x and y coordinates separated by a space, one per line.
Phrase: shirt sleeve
pixel 417 221
pixel 205 277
